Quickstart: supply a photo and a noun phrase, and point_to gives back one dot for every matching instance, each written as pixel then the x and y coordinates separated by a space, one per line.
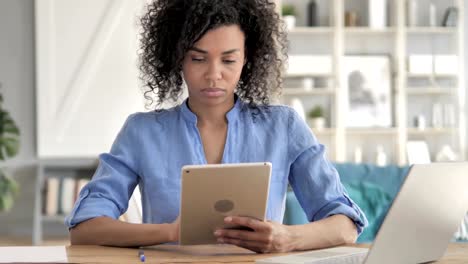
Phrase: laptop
pixel 212 192
pixel 418 227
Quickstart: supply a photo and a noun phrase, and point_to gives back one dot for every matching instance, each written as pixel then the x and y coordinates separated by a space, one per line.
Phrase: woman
pixel 228 54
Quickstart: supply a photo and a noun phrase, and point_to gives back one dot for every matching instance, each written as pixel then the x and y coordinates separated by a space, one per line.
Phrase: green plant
pixel 8 190
pixel 9 147
pixel 288 10
pixel 315 112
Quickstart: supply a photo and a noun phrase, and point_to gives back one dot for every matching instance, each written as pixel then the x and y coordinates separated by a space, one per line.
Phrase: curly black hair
pixel 171 27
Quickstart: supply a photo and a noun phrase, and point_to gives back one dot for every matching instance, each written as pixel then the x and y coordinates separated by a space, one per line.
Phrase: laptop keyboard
pixel 357 258
pixel 338 255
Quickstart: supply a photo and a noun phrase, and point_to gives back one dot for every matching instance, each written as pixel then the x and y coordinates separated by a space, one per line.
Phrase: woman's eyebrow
pixel 230 51
pixel 205 52
pixel 198 50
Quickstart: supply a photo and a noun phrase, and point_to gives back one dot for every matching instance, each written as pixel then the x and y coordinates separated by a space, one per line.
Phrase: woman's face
pixel 212 67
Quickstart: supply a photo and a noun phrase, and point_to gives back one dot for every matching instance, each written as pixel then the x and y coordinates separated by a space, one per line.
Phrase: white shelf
pixel 430 131
pixel 84 162
pixel 368 30
pixel 311 30
pixel 431 30
pixel 18 163
pixel 430 76
pixel 372 131
pixel 313 91
pixel 431 90
pixel 54 218
pixel 302 75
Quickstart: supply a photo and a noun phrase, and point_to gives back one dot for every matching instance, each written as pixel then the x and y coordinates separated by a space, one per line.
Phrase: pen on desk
pixel 141 255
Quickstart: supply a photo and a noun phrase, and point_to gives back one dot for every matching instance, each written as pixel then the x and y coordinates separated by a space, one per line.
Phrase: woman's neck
pixel 211 115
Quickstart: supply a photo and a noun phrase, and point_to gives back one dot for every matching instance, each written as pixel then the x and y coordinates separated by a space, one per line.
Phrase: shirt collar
pixel 231 115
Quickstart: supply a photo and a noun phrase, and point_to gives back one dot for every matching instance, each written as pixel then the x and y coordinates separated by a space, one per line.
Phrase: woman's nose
pixel 213 72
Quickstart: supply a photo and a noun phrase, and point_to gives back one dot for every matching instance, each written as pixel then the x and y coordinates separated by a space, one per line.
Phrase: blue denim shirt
pixel 152 147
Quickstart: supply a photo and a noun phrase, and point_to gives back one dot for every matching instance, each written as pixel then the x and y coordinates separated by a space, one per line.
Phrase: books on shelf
pixel 51 196
pixel 60 194
pixel 67 195
pixel 80 183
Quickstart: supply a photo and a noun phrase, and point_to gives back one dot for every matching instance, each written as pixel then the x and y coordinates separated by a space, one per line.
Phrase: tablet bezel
pixel 203 185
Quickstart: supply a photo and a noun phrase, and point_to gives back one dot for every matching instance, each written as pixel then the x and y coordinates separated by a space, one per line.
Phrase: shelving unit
pixel 60 168
pixel 399 41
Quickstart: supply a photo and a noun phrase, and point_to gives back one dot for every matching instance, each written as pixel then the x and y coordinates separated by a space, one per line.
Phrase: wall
pixel 17 76
pixel 82 58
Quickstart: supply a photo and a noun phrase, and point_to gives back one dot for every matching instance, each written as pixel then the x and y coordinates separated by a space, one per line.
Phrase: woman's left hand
pixel 266 237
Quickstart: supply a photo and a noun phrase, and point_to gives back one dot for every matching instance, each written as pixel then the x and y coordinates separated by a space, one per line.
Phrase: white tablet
pixel 211 192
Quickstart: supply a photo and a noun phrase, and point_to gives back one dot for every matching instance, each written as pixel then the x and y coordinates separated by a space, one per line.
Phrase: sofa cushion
pixel 372 187
pixel 389 177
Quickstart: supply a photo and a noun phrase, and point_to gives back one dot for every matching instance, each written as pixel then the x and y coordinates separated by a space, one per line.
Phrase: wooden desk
pixel 456 253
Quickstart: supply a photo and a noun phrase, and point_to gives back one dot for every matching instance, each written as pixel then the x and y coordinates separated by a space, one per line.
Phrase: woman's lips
pixel 213 92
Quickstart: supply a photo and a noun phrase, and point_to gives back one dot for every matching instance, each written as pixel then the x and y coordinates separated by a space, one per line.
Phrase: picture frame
pixel 367 82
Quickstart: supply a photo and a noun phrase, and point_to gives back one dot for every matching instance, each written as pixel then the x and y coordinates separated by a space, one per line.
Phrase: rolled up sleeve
pixel 114 181
pixel 315 181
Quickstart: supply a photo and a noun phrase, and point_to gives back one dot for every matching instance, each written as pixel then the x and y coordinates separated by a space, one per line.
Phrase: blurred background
pixel 380 82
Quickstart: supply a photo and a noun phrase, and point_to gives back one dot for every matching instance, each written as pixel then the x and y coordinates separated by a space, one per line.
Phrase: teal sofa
pixel 372 187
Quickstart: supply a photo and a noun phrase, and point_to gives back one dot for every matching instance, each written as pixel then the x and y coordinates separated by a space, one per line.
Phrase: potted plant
pixel 317 118
pixel 9 146
pixel 289 15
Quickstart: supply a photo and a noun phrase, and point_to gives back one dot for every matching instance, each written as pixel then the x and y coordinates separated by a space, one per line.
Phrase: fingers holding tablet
pixel 266 237
pixel 248 222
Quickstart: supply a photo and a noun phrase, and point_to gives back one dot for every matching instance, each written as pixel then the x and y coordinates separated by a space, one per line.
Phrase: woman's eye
pixel 197 59
pixel 229 61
